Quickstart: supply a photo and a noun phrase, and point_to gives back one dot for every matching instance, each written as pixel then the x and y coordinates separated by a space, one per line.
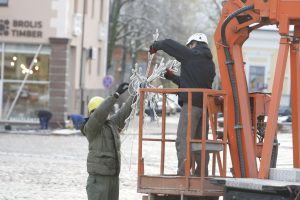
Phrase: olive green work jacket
pixel 102 133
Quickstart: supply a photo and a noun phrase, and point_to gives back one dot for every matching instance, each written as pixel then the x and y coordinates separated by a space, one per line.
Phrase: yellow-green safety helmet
pixel 94 103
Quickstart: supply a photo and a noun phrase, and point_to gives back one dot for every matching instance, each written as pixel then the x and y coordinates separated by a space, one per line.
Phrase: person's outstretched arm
pixel 173 48
pixel 100 115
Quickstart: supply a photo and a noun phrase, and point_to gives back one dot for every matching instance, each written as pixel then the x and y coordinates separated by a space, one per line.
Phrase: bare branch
pixel 137 20
pixel 218 5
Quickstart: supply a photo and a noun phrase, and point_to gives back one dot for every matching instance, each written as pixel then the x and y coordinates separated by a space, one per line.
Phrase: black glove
pixel 152 50
pixel 121 89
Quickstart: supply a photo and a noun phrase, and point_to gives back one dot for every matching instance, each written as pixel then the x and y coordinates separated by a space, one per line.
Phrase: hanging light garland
pixel 139 79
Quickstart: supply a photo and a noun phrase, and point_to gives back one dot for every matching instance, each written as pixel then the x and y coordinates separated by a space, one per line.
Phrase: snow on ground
pixel 46 166
pixel 151 152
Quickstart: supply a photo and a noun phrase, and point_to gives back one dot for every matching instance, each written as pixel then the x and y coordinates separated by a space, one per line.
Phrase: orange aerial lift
pixel 252 159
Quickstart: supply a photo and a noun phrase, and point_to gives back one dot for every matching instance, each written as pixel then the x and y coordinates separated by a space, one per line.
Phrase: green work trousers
pixel 196 133
pixel 102 187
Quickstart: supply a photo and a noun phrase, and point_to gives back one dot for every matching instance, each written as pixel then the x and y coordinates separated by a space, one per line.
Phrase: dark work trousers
pixel 44 117
pixel 101 187
pixel 44 122
pixel 196 133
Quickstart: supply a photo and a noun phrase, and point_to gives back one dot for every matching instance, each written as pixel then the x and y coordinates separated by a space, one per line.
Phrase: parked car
pixel 172 106
pixel 173 100
pixel 284 111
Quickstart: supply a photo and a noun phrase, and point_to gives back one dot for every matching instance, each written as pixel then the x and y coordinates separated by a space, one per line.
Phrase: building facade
pixel 52 57
pixel 260 55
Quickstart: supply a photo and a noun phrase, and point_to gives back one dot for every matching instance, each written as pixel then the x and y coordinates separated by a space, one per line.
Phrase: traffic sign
pixel 108 81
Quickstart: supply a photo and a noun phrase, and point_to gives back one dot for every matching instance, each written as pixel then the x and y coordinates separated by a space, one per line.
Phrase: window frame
pixel 251 74
pixel 4 4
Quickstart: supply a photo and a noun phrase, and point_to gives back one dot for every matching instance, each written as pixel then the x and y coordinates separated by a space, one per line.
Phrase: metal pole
pixel 23 83
pixel 124 59
pixel 82 61
pixel 271 126
pixel 163 135
pixel 141 123
pixel 295 96
pixel 187 164
pixel 1 81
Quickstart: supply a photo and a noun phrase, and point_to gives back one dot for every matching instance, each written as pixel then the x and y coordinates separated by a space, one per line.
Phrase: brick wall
pixel 58 64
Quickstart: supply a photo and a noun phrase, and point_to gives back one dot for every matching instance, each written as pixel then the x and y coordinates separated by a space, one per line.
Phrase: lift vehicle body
pixel 162 185
pixel 251 158
pixel 238 19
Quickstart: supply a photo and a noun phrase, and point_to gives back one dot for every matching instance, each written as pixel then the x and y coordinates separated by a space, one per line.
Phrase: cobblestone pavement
pixel 46 167
pixel 41 167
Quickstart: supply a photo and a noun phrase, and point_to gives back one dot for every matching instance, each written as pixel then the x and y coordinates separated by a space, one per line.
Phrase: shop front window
pixel 34 95
pixel 16 66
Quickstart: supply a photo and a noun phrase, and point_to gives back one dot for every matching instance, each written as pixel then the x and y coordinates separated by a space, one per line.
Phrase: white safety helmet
pixel 200 37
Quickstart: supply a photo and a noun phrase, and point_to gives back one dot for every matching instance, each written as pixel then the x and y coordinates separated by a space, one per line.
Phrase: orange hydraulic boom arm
pixel 238 19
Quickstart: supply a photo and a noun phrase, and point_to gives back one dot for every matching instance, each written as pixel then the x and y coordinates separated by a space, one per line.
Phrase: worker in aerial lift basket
pixel 197 71
pixel 102 133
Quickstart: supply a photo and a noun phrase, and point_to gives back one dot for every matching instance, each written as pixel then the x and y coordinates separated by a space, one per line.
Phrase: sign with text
pixel 21 28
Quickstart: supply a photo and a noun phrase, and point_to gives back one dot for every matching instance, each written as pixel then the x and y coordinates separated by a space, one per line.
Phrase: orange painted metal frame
pixel 210 109
pixel 280 12
pixel 283 13
pixel 235 39
pixel 271 127
pixel 295 83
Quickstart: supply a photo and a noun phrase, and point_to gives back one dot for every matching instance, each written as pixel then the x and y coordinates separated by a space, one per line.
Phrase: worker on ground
pixel 44 117
pixel 102 132
pixel 197 71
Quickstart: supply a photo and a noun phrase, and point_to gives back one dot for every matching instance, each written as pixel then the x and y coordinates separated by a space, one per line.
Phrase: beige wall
pixel 94 25
pixel 261 49
pixel 30 17
pixel 36 21
pixel 43 19
pixel 95 37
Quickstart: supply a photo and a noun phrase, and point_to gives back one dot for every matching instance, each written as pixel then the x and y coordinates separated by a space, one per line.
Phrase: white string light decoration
pixel 139 79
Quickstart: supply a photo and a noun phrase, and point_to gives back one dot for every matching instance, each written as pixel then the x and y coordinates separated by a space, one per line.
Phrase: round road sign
pixel 108 81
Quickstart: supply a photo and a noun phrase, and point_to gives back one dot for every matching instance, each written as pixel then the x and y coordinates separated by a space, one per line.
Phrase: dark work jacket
pixel 197 68
pixel 104 157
